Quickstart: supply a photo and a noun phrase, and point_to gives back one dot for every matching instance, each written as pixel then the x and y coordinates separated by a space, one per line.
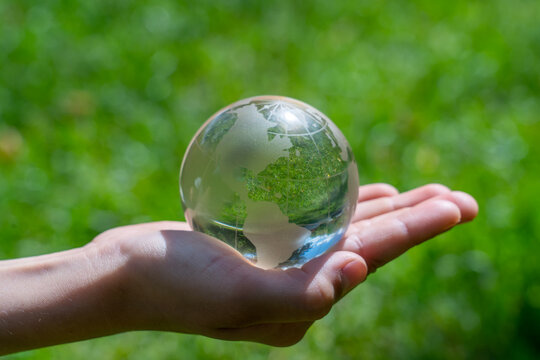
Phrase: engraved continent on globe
pixel 272 177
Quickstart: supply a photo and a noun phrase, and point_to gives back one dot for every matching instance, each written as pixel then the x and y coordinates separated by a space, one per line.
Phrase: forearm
pixel 59 298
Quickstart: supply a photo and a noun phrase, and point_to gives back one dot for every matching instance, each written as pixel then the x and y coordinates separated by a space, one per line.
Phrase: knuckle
pixel 387 203
pixel 318 300
pixel 357 243
pixel 402 225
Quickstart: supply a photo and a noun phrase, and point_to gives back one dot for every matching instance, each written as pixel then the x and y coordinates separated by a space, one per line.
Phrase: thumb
pixel 304 294
pixel 336 273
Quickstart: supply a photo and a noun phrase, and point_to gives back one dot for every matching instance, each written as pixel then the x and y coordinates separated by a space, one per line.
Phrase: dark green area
pixel 99 99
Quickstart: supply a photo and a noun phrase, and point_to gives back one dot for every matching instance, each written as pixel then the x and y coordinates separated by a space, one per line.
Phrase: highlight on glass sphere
pixel 272 177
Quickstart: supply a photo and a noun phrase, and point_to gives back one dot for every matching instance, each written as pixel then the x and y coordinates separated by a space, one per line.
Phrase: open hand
pixel 179 280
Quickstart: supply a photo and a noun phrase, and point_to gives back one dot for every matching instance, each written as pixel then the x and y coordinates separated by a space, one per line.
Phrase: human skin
pixel 163 276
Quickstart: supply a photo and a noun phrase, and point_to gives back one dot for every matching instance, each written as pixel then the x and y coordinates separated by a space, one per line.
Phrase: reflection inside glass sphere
pixel 272 177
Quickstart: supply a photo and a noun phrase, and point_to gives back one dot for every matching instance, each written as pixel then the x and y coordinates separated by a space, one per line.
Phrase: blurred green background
pixel 99 99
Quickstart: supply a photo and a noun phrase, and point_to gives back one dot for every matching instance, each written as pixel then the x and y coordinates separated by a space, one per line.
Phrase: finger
pixel 304 294
pixel 373 191
pixel 468 206
pixel 337 273
pixel 372 208
pixel 278 334
pixel 387 236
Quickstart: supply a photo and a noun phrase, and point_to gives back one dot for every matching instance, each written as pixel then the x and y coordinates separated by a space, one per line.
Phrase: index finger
pixel 385 237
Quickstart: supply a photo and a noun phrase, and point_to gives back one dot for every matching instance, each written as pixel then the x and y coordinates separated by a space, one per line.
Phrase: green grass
pixel 99 99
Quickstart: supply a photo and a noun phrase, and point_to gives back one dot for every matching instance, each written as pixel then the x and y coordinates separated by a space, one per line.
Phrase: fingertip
pixel 353 273
pixel 435 189
pixel 341 270
pixel 467 205
pixel 386 189
pixel 446 210
pixel 374 191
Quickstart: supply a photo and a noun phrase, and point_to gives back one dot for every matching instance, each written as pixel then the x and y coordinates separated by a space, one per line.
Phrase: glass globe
pixel 272 177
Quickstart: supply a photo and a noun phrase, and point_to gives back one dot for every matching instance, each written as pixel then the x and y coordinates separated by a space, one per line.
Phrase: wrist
pixel 61 297
pixel 130 298
pixel 108 261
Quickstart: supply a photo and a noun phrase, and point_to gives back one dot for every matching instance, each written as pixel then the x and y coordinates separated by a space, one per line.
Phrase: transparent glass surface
pixel 272 177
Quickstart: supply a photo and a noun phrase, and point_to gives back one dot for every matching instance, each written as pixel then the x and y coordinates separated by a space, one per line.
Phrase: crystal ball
pixel 272 177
